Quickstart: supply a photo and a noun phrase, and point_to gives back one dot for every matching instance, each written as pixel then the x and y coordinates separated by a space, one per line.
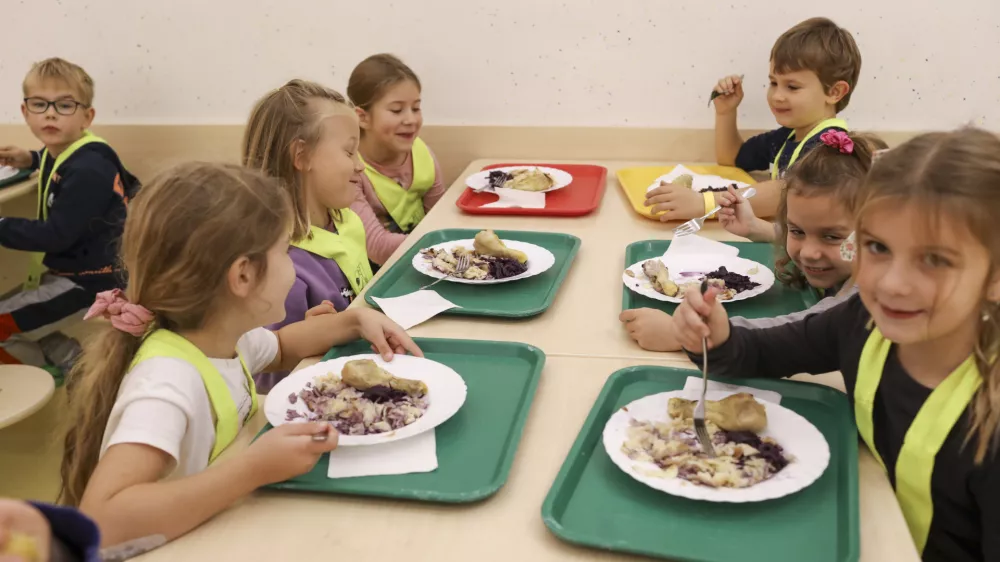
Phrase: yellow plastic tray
pixel 635 181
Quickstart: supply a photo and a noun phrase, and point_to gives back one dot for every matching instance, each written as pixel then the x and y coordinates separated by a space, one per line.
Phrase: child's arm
pixel 768 197
pixel 727 135
pixel 737 217
pixel 379 242
pixel 317 334
pixel 17 157
pixel 128 499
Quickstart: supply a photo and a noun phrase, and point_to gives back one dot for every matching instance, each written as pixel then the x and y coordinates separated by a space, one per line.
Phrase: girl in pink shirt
pixel 402 179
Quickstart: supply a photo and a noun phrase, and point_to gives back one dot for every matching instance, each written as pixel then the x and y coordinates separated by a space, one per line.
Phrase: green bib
pixel 346 247
pixel 164 343
pixel 798 149
pixel 405 206
pixel 35 267
pixel 927 433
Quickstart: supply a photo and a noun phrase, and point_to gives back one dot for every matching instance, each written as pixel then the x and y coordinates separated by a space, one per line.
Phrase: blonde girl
pixel 167 386
pixel 815 216
pixel 918 346
pixel 402 179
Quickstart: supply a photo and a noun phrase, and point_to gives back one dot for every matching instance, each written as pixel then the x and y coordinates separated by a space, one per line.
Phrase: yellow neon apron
pixel 925 436
pixel 840 123
pixel 35 267
pixel 164 343
pixel 346 247
pixel 405 206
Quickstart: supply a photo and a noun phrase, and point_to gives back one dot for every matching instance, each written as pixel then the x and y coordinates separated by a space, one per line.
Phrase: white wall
pixel 927 63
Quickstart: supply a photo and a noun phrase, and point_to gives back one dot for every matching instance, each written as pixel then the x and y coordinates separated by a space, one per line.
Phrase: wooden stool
pixel 23 391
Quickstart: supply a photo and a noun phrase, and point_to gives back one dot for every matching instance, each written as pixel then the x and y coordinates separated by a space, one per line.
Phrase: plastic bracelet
pixel 709 203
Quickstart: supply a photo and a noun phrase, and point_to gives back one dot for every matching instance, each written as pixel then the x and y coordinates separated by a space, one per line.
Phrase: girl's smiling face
pixel 817 225
pixel 394 121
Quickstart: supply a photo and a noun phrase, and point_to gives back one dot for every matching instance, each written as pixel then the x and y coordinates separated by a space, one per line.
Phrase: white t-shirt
pixel 163 403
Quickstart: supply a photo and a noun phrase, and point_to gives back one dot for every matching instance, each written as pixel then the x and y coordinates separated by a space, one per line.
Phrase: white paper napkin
pixel 7 172
pixel 414 308
pixel 415 454
pixel 694 383
pixel 701 181
pixel 517 198
pixel 694 244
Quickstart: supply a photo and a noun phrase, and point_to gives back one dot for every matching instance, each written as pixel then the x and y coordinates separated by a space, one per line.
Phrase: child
pixel 167 387
pixel 814 71
pixel 82 191
pixel 918 347
pixel 815 216
pixel 402 179
pixel 43 532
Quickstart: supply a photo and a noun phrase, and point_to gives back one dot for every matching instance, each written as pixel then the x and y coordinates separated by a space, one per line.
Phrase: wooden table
pixel 585 344
pixel 23 391
pixel 12 192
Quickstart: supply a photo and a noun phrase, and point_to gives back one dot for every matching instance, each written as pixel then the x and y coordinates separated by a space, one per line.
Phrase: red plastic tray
pixel 581 197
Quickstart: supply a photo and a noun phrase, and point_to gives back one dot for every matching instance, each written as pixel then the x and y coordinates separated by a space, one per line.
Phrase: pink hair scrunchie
pixel 129 318
pixel 839 140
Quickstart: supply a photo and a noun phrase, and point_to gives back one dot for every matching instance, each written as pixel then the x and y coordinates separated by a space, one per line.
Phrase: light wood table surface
pixel 23 391
pixel 584 344
pixel 12 192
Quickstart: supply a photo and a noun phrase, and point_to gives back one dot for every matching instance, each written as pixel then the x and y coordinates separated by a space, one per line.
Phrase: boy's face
pixel 56 130
pixel 798 99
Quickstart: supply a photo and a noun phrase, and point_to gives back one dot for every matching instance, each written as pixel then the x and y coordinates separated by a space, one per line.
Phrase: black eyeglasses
pixel 63 107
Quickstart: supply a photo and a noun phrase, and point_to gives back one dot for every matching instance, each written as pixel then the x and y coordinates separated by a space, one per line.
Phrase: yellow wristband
pixel 709 203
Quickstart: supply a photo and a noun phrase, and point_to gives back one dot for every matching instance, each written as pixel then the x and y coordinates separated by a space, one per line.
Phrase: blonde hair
pixel 183 233
pixel 823 47
pixel 278 120
pixel 955 173
pixel 75 77
pixel 823 171
pixel 374 76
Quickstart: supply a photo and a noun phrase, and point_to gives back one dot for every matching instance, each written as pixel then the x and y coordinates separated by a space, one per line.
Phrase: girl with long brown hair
pixel 161 393
pixel 919 346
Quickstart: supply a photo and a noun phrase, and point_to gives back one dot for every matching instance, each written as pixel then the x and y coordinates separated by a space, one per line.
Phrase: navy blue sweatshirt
pixel 86 213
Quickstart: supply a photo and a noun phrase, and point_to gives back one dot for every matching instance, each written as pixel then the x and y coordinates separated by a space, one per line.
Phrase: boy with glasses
pixel 82 192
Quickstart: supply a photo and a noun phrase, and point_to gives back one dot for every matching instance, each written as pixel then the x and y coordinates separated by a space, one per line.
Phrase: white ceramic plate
pixel 802 442
pixel 540 260
pixel 446 392
pixel 701 264
pixel 480 180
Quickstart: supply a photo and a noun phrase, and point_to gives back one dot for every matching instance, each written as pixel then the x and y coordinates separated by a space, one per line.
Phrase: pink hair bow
pixel 130 318
pixel 839 140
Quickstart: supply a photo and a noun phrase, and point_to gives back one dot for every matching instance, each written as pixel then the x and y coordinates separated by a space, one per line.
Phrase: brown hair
pixel 374 76
pixel 823 47
pixel 823 171
pixel 955 173
pixel 282 117
pixel 63 71
pixel 182 234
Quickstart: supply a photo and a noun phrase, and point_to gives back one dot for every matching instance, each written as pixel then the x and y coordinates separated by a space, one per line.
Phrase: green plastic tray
pixel 593 503
pixel 517 299
pixel 16 178
pixel 476 447
pixel 777 301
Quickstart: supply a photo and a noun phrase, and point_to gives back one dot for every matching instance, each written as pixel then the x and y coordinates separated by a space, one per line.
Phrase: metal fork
pixel 699 410
pixel 463 264
pixel 694 225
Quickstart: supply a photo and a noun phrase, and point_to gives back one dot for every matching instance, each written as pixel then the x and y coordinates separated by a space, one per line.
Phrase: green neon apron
pixel 405 206
pixel 35 267
pixel 840 123
pixel 164 343
pixel 925 436
pixel 346 247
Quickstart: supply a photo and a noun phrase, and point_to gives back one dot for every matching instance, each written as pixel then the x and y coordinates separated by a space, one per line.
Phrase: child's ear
pixel 88 116
pixel 993 289
pixel 241 277
pixel 363 119
pixel 837 92
pixel 300 156
pixel 24 110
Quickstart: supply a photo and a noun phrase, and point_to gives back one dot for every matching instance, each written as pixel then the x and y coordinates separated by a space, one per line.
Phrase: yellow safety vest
pixel 346 247
pixel 164 343
pixel 926 434
pixel 35 267
pixel 840 123
pixel 405 206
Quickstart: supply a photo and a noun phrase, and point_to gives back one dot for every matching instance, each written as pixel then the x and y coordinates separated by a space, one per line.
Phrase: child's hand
pixel 652 329
pixel 386 337
pixel 25 535
pixel 737 214
pixel 290 450
pixel 731 88
pixel 675 202
pixel 701 316
pixel 15 157
pixel 325 307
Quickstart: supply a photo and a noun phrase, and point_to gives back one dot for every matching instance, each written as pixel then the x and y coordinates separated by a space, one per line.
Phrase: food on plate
pixel 684 179
pixel 742 457
pixel 737 412
pixel 490 259
pixel 523 179
pixel 659 276
pixel 727 282
pixel 719 189
pixel 364 400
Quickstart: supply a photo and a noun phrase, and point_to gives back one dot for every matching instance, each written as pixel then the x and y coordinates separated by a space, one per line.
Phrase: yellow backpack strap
pixel 826 124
